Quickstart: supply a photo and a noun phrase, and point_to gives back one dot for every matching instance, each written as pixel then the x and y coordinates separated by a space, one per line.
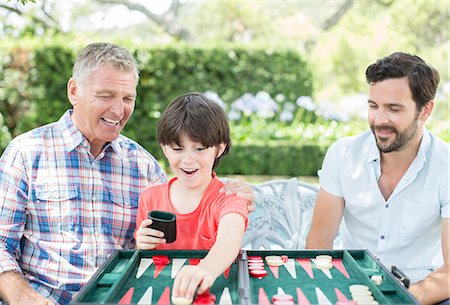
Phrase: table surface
pixel 118 278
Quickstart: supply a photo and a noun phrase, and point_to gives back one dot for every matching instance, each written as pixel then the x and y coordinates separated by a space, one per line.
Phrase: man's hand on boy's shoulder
pixel 241 189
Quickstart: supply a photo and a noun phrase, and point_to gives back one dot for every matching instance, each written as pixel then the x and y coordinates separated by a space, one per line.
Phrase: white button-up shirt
pixel 404 230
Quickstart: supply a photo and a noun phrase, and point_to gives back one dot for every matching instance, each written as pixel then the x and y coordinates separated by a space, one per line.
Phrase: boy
pixel 194 135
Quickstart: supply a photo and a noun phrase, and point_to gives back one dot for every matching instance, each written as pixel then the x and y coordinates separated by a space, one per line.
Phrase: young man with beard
pixel 390 185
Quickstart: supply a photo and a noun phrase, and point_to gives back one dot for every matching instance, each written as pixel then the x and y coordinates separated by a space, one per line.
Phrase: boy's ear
pixel 163 147
pixel 222 147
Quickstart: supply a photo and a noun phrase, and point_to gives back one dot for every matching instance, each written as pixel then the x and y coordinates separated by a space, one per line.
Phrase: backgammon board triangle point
pixel 226 274
pixel 194 261
pixel 275 271
pixel 165 297
pixel 301 298
pixel 290 267
pixel 321 298
pixel 177 264
pixel 225 298
pixel 337 262
pixel 147 296
pixel 158 269
pixel 127 297
pixel 340 296
pixel 280 291
pixel 325 271
pixel 306 265
pixel 263 299
pixel 143 266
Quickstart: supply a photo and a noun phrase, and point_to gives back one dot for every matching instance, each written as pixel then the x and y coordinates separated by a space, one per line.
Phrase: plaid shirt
pixel 62 211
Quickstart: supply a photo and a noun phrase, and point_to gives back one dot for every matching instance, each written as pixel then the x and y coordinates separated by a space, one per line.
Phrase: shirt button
pixel 93 198
pixel 386 206
pixel 382 237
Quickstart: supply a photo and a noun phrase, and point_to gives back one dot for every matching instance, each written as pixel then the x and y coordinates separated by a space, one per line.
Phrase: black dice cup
pixel 164 222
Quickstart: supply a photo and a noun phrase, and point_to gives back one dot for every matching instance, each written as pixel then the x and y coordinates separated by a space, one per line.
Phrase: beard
pixel 401 138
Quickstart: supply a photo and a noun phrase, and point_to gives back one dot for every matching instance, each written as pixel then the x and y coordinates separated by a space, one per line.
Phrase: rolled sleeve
pixel 445 197
pixel 331 169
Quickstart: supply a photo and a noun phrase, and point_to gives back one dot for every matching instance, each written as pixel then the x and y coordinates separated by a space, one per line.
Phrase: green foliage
pixel 5 136
pixel 371 30
pixel 273 159
pixel 51 69
pixel 38 82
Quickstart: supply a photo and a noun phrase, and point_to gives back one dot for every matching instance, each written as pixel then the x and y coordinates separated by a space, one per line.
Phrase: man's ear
pixel 426 110
pixel 221 149
pixel 72 91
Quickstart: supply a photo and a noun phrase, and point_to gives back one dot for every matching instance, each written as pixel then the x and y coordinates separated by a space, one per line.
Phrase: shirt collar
pixel 425 145
pixel 73 137
pixel 373 153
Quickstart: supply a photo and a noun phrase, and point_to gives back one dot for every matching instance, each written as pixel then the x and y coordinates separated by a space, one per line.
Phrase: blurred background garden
pixel 290 74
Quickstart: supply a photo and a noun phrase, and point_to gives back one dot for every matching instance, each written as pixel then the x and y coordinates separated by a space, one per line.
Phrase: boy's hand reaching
pixel 148 238
pixel 192 278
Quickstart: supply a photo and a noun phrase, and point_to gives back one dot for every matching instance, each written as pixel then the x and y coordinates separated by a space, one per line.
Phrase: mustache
pixel 384 128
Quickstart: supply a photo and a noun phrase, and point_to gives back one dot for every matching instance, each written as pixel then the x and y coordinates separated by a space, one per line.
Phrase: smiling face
pixel 191 162
pixel 102 104
pixel 393 116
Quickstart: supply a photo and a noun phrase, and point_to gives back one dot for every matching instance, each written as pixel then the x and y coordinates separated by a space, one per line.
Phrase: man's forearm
pixel 434 288
pixel 316 241
pixel 12 285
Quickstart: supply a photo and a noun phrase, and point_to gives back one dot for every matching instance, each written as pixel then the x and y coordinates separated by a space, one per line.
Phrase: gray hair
pixel 95 55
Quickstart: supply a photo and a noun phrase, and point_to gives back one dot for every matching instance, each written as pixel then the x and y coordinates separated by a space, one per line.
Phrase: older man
pixel 69 190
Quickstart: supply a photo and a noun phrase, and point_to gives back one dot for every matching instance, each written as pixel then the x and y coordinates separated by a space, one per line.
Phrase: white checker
pixel 358 287
pixel 181 301
pixel 325 271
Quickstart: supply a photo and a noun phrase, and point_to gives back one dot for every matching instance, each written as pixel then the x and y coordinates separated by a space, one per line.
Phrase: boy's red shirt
pixel 196 230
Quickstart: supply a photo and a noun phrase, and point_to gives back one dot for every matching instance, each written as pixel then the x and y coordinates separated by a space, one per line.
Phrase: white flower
pixel 306 102
pixel 216 98
pixel 286 116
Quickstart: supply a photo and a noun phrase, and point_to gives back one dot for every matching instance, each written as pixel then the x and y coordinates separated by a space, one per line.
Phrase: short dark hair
pixel 197 117
pixel 423 79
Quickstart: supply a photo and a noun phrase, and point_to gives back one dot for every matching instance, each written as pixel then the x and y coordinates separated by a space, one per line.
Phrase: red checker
pixel 254 257
pixel 283 302
pixel 284 258
pixel 206 296
pixel 282 297
pixel 258 273
pixel 250 268
pixel 203 302
pixel 256 260
pixel 161 260
pixel 256 264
